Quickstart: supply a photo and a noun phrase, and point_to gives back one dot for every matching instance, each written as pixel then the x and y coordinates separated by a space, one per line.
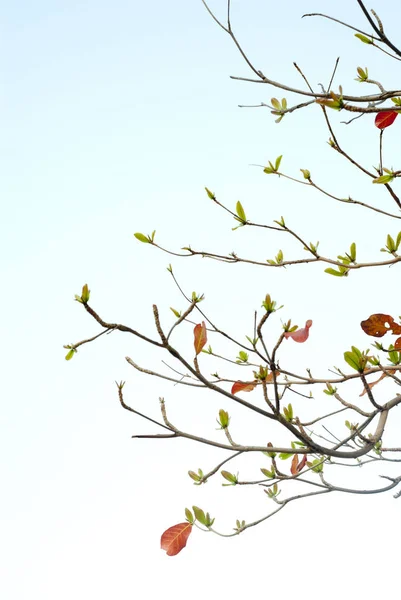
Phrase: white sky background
pixel 116 115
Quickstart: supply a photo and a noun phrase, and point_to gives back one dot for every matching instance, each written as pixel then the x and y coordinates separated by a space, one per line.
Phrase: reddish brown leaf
pixel 379 324
pixel 294 464
pixel 270 376
pixel 175 538
pixel 300 335
pixel 397 344
pixel 200 337
pixel 373 383
pixel 243 386
pixel 302 463
pixel 385 119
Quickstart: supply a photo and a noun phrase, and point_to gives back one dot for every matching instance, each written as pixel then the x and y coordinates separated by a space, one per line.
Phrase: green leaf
pixel 305 173
pixel 394 356
pixel 229 477
pixel 363 38
pixel 390 243
pixel 352 360
pixel 316 465
pixel 194 476
pixel 330 391
pixel 272 491
pixel 177 314
pixel 189 515
pixel 242 357
pixel 209 520
pixel 270 454
pixel 288 413
pixel 224 419
pixel 142 238
pixel 210 194
pixel 70 354
pixel 85 295
pixel 278 162
pixel 199 515
pixel 383 179
pixel 281 223
pixel 285 455
pixel 268 474
pixel 240 212
pixel 362 74
pixel 334 272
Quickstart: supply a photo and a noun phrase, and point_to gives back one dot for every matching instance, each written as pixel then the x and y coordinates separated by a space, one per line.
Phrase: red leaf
pixel 397 344
pixel 300 335
pixel 175 538
pixel 243 386
pixel 379 324
pixel 200 337
pixel 385 119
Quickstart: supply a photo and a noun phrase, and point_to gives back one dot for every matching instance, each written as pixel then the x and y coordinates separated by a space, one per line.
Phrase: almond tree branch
pixel 380 34
pixel 123 328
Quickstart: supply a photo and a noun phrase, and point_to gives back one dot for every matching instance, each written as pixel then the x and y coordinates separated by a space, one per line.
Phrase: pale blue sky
pixel 115 117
